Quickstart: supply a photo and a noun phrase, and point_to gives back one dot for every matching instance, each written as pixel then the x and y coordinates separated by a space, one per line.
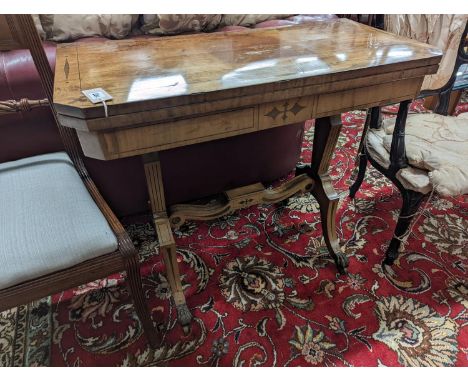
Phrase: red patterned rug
pixel 264 292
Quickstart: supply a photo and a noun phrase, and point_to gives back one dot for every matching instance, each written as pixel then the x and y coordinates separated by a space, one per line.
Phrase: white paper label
pixel 97 95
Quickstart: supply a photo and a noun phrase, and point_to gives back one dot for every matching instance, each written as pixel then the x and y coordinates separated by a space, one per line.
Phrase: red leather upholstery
pixel 189 172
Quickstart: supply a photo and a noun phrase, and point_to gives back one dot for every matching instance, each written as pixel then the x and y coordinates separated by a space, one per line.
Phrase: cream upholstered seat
pixel 411 178
pixel 48 220
pixel 436 149
pixel 425 152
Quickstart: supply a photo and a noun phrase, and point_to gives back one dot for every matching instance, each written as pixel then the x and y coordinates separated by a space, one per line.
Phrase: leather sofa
pixel 189 173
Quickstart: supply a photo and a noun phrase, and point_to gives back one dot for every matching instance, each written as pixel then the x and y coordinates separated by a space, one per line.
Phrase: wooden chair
pixel 383 145
pixel 56 230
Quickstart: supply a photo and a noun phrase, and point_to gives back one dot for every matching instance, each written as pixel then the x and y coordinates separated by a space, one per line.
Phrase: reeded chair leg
pixel 360 176
pixel 134 283
pixel 411 202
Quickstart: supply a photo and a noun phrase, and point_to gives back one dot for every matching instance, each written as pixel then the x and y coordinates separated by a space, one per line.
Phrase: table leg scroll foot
pixel 329 234
pixel 328 203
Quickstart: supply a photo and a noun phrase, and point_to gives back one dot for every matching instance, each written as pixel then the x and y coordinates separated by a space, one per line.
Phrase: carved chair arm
pixel 24 104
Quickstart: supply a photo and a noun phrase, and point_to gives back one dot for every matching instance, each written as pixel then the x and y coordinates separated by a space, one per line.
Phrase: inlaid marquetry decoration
pixel 66 68
pixel 285 112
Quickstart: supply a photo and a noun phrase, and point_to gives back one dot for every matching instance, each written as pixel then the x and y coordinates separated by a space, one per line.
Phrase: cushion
pixel 72 27
pixel 48 220
pixel 410 177
pixel 175 24
pixel 38 25
pixel 162 24
pixel 248 20
pixel 165 24
pixel 435 144
pixel 150 24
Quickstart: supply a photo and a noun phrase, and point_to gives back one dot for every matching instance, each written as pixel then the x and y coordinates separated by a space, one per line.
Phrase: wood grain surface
pixel 148 74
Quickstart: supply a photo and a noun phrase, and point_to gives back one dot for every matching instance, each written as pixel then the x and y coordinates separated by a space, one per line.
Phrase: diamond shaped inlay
pixel 273 113
pixel 296 108
pixel 66 68
pixel 284 110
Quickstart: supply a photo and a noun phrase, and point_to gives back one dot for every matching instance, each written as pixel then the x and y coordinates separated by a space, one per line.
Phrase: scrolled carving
pixel 24 104
pixel 242 197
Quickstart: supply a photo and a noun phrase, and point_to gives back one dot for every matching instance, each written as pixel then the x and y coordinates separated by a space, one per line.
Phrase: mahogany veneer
pixel 181 90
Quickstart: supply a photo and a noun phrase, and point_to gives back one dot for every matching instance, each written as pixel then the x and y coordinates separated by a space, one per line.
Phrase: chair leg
pixel 134 283
pixel 360 176
pixel 373 121
pixel 411 202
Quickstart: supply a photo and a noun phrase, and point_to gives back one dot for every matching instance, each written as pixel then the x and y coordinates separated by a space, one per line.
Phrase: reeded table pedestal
pixel 176 91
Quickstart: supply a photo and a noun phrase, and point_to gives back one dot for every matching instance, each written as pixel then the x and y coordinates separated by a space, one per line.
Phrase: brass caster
pixel 184 317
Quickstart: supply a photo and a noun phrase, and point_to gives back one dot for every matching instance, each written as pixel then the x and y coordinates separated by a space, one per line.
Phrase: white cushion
pixel 48 220
pixel 410 177
pixel 71 27
pixel 438 144
pixel 249 20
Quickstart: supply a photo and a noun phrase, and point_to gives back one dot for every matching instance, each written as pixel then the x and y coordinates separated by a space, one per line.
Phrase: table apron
pixel 126 142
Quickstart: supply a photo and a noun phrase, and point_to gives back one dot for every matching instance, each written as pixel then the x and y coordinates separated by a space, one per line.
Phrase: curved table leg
pixel 326 134
pixel 328 202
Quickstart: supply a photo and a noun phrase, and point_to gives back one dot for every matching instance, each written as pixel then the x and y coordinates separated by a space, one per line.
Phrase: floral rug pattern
pixel 264 292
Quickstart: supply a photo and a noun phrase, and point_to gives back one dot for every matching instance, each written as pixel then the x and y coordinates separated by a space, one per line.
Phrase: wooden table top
pixel 155 73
